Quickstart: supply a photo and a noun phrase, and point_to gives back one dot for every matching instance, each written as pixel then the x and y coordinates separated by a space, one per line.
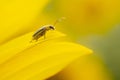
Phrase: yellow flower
pixel 22 60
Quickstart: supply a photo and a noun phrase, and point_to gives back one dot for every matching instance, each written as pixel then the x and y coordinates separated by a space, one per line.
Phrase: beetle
pixel 42 31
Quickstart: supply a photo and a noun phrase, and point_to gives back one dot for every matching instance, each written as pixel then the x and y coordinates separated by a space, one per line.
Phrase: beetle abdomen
pixel 39 33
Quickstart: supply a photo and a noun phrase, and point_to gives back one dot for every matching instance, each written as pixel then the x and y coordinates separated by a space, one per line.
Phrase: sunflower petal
pixel 31 61
pixel 18 16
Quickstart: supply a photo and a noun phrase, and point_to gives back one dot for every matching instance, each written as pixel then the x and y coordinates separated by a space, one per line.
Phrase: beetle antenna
pixel 59 20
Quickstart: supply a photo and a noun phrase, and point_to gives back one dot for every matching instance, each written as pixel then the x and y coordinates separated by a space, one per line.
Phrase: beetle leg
pixel 44 36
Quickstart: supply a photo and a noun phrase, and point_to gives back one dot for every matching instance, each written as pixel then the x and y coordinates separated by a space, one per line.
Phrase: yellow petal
pixel 21 60
pixel 24 42
pixel 86 68
pixel 17 16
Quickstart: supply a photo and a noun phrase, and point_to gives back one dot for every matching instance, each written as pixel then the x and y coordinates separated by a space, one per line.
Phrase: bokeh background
pixel 92 23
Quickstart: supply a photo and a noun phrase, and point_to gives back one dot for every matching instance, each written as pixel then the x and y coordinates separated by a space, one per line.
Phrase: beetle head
pixel 51 27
